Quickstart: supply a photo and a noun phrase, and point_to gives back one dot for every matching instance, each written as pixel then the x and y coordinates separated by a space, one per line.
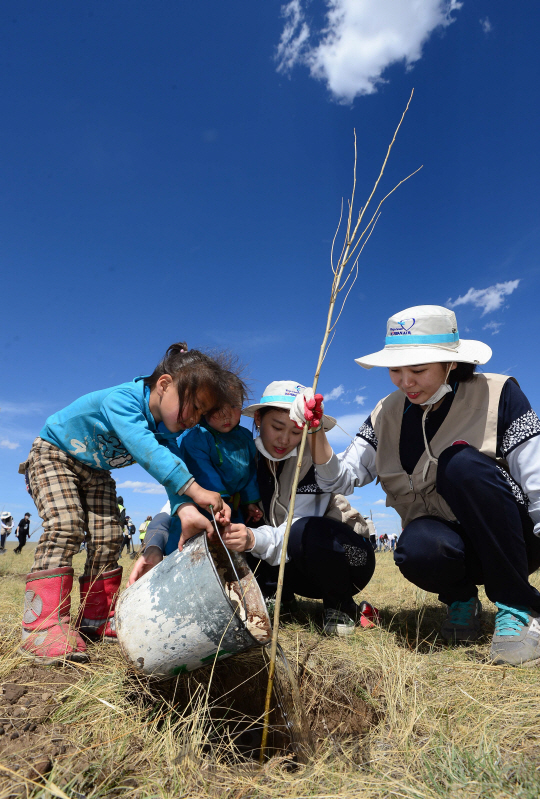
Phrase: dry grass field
pixel 394 713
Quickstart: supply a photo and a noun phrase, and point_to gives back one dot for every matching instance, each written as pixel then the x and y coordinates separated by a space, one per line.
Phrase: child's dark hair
pixel 193 371
pixel 237 389
pixel 463 373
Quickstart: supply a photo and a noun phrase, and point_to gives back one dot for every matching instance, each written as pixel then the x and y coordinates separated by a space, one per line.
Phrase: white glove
pixel 307 408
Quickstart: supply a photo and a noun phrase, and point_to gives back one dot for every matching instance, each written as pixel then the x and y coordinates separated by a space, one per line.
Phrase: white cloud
pixel 7 444
pixel 359 40
pixel 380 502
pixel 21 408
pixel 489 299
pixel 360 399
pixel 493 326
pixel 138 487
pixel 350 423
pixel 294 37
pixel 487 27
pixel 335 393
pixel 382 515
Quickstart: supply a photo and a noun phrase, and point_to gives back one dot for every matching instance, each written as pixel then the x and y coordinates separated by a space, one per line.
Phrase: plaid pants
pixel 72 498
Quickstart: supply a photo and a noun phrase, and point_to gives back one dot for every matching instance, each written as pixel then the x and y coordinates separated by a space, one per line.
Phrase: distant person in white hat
pixel 458 455
pixel 6 520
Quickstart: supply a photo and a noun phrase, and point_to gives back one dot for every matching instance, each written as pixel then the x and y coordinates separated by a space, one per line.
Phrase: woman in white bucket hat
pixel 6 528
pixel 329 554
pixel 458 455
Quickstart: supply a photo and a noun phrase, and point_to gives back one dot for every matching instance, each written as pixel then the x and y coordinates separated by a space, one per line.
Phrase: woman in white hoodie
pixel 458 455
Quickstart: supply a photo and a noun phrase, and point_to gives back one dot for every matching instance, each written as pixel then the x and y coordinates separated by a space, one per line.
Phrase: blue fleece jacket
pixel 223 462
pixel 113 428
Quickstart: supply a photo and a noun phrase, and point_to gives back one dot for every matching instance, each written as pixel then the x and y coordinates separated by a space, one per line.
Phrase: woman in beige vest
pixel 458 456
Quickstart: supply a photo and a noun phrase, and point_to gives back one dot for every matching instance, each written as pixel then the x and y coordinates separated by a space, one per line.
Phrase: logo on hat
pixel 404 328
pixel 293 392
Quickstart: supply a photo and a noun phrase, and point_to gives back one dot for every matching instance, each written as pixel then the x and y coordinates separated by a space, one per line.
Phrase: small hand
pixel 150 558
pixel 238 537
pixel 193 522
pixel 254 513
pixel 205 498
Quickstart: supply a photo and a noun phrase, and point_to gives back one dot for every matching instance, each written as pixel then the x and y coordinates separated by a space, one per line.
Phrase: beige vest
pixel 339 508
pixel 472 418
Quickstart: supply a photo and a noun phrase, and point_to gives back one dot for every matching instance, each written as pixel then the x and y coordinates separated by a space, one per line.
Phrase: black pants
pixel 492 544
pixel 22 542
pixel 3 540
pixel 328 561
pixel 126 543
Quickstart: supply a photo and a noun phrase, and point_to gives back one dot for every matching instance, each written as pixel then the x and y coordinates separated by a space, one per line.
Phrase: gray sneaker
pixel 516 640
pixel 462 621
pixel 337 623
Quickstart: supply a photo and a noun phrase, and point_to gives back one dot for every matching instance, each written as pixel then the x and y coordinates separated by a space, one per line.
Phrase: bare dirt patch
pixel 29 740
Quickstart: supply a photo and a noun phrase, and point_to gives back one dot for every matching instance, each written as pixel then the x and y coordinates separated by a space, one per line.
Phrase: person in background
pixel 142 531
pixel 131 530
pixel 121 512
pixel 6 521
pixel 22 532
pixel 372 532
pixel 127 535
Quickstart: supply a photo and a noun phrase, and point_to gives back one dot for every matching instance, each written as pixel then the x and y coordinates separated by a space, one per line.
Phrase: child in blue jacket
pixel 221 456
pixel 68 472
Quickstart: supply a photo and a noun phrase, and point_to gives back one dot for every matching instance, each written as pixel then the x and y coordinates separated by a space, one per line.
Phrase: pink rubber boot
pixel 98 600
pixel 46 634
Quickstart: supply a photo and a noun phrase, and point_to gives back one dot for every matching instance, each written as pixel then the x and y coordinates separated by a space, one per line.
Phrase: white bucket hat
pixel 425 334
pixel 281 394
pixel 6 515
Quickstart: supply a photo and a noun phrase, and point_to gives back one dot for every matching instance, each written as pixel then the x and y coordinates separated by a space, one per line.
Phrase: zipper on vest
pixel 410 482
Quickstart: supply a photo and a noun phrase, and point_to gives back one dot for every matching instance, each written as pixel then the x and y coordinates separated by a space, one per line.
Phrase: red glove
pixel 307 408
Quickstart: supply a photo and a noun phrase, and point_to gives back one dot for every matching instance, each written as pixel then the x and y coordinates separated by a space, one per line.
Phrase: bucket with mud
pixel 196 606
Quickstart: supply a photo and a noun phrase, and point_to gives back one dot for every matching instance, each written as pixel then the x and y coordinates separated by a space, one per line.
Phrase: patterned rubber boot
pixel 98 600
pixel 368 616
pixel 46 634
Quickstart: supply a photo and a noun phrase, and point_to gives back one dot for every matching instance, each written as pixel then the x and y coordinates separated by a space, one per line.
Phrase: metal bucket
pixel 190 610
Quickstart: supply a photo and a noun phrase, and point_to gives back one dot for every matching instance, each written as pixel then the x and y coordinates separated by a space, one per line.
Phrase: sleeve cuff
pixel 185 487
pixel 328 470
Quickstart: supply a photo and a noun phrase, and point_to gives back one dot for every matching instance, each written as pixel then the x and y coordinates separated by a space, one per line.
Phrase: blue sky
pixel 174 171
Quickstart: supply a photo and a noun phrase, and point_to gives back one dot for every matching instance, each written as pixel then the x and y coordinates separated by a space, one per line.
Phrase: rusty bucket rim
pixel 234 610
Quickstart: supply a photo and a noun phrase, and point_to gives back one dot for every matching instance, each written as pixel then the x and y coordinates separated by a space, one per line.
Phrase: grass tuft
pixel 394 712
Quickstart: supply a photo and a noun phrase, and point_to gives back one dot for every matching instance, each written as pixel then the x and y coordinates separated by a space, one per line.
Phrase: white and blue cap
pixel 281 394
pixel 425 334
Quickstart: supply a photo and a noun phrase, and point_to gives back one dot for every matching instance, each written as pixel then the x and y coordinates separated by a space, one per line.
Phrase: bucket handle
pixel 242 593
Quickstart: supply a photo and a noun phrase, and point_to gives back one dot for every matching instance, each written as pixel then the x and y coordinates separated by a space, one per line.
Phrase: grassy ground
pixel 395 714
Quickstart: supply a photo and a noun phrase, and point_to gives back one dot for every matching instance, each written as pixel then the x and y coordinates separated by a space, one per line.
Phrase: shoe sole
pixel 528 664
pixel 340 630
pixel 76 657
